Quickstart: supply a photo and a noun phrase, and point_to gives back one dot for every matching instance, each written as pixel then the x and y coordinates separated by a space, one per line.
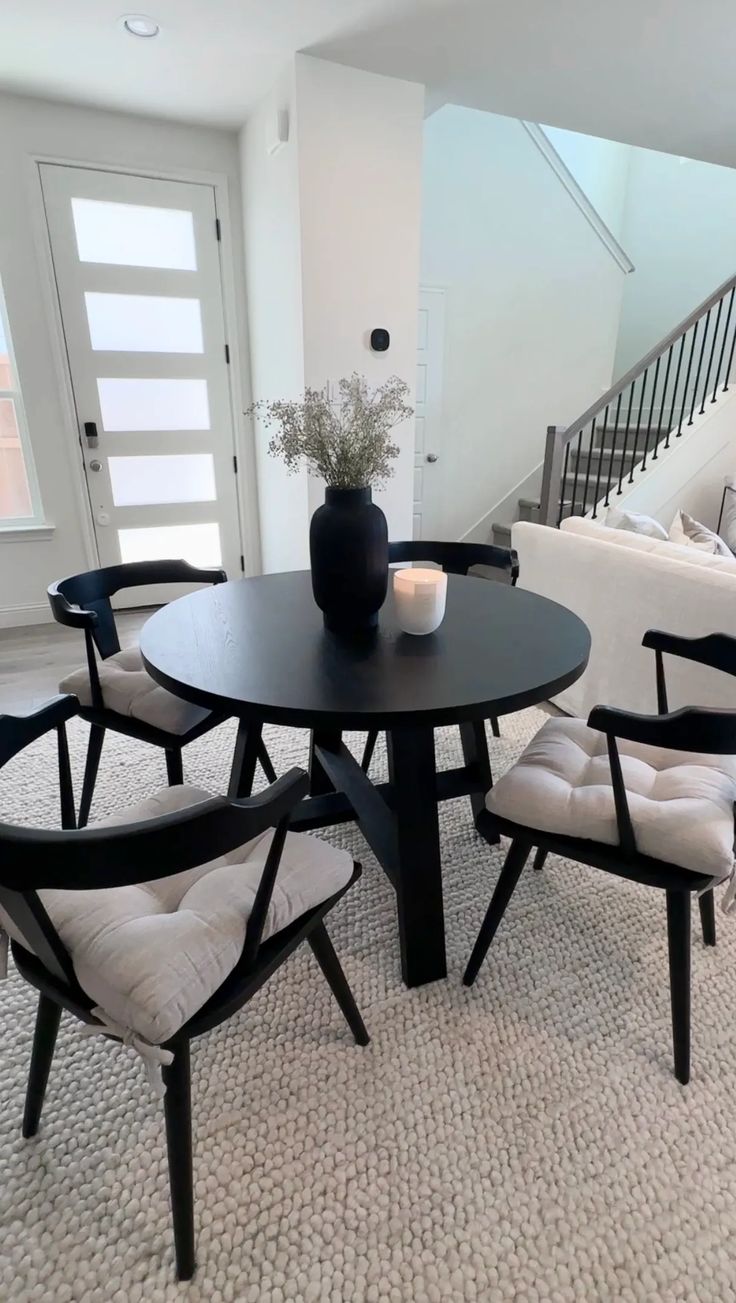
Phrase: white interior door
pixel 137 268
pixel 428 404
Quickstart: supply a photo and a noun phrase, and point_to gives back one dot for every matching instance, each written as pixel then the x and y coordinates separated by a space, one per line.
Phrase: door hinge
pixel 242 563
pixel 227 354
pixel 235 464
pixel 218 228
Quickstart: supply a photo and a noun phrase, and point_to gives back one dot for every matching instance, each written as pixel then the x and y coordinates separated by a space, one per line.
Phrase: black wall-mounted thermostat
pixel 380 340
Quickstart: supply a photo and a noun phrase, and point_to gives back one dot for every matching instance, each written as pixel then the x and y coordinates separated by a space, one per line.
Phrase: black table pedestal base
pixel 399 820
pixel 413 777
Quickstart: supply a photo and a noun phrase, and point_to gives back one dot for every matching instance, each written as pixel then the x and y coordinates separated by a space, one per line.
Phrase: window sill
pixel 26 533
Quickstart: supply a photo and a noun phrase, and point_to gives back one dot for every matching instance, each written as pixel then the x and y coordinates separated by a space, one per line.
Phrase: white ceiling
pixel 657 73
pixel 211 60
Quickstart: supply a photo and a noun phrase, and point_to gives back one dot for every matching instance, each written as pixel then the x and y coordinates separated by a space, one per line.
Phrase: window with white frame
pixel 19 498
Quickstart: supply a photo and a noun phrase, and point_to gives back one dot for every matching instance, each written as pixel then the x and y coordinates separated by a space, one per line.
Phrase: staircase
pixel 591 462
pixel 607 455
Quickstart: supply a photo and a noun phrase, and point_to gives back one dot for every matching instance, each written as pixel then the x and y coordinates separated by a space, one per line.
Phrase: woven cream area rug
pixel 525 1140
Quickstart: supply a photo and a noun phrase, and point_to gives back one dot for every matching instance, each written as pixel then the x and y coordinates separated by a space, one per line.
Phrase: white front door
pixel 430 363
pixel 137 268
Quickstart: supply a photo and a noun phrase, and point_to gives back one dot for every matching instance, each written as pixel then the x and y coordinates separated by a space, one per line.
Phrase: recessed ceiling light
pixel 140 25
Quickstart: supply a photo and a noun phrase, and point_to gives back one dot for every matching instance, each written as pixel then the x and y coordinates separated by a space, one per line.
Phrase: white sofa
pixel 622 584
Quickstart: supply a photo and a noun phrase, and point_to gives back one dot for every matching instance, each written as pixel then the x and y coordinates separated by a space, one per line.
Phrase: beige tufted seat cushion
pixel 681 804
pixel 128 689
pixel 151 955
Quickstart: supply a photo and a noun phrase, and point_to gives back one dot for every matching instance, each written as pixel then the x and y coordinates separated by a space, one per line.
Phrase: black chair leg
pixel 264 761
pixel 539 858
pixel 708 917
pixel 48 1016
pixel 495 729
pixel 94 751
pixel 66 790
pixel 324 952
pixel 178 1114
pixel 510 873
pixel 678 939
pixel 174 766
pixel 370 746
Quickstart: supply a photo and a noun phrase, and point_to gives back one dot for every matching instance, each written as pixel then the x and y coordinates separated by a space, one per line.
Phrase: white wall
pixel 58 131
pixel 332 229
pixel 680 231
pixel 360 160
pixel 601 169
pixel 532 305
pixel 274 292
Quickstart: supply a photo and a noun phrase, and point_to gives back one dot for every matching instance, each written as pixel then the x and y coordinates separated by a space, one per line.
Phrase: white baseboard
pixel 17 617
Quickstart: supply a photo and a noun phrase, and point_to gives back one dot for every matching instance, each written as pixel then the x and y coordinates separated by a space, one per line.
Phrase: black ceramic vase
pixel 348 548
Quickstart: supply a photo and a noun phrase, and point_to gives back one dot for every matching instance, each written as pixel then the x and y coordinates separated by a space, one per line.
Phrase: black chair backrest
pixel 83 601
pixel 717 650
pixel 456 558
pixel 36 859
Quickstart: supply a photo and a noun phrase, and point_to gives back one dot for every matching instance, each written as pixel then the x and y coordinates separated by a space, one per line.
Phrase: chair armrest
pixel 715 649
pixel 120 855
pixel 208 575
pixel 76 617
pixel 696 729
pixel 277 801
pixel 132 574
pixel 19 731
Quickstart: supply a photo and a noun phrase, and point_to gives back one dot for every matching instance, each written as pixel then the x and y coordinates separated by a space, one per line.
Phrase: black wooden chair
pixel 454 559
pixel 19 731
pixel 666 820
pixel 116 692
pixel 207 971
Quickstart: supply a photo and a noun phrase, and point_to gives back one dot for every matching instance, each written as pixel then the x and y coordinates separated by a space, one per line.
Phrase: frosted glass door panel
pixel 143 323
pixel 131 235
pixel 153 404
pixel 148 481
pixel 197 544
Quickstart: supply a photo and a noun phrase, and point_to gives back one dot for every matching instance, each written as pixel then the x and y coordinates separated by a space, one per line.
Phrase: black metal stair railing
pixel 592 460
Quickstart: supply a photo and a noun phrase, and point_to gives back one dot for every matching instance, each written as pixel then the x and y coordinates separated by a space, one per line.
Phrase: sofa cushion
pixel 128 689
pixel 151 955
pixel 681 804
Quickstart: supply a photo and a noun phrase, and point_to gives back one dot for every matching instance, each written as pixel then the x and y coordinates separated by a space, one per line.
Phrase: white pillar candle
pixel 419 598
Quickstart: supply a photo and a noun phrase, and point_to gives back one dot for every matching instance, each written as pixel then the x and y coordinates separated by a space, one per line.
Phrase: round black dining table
pixel 258 649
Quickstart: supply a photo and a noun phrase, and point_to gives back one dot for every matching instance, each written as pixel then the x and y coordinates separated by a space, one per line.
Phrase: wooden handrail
pixel 560 437
pixel 640 367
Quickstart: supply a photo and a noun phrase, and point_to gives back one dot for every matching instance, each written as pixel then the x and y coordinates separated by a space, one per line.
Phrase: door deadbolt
pixel 95 465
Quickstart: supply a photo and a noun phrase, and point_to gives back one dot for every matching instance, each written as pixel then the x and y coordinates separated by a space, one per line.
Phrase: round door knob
pixel 95 465
pixel 432 457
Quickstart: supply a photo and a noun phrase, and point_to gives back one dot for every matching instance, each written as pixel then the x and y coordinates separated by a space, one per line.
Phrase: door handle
pixel 432 457
pixel 95 465
pixel 90 433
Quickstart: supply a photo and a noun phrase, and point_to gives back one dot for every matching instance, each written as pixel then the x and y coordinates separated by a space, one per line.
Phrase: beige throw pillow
pixel 692 533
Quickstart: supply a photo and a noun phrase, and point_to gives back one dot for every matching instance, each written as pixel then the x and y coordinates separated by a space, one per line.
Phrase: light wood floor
pixel 33 660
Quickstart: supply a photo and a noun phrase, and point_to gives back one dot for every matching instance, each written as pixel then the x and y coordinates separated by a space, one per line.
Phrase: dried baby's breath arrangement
pixel 345 441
